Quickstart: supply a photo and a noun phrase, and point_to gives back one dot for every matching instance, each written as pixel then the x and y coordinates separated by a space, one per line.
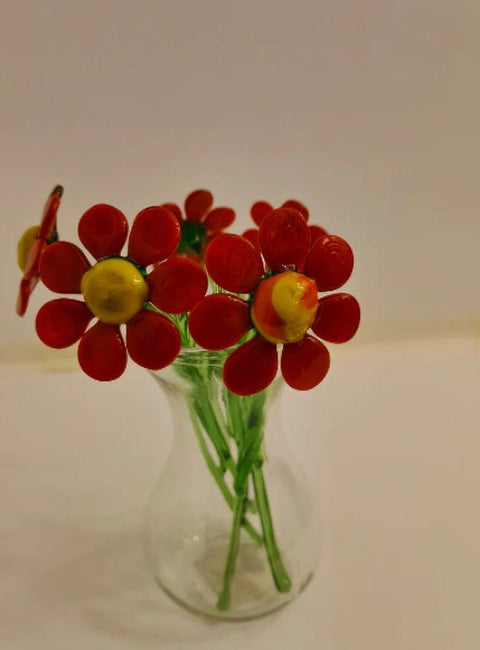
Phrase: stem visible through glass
pixel 238 422
pixel 218 474
pixel 223 602
pixel 246 420
pixel 279 573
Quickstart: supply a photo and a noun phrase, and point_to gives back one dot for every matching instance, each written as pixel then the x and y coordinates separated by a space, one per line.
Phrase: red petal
pixel 219 219
pixel 62 322
pixel 24 292
pixel 219 321
pixel 62 267
pixel 259 211
pixel 153 341
pixel 177 285
pixel 296 205
pixel 197 204
pixel 33 260
pixel 284 238
pixel 330 262
pixel 251 367
pixel 175 210
pixel 49 218
pixel 101 352
pixel 154 236
pixel 338 318
pixel 315 233
pixel 233 263
pixel 253 236
pixel 305 364
pixel 103 230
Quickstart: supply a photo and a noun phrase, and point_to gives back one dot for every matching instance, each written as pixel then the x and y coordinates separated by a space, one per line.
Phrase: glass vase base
pixel 195 574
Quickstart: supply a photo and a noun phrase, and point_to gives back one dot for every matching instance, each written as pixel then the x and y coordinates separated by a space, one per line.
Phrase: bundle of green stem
pixel 230 430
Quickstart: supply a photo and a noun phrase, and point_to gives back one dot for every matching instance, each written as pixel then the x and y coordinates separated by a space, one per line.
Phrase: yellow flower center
pixel 114 290
pixel 25 244
pixel 284 307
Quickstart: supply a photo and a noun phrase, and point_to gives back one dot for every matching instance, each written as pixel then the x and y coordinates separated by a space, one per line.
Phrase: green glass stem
pixel 238 420
pixel 199 377
pixel 211 426
pixel 223 602
pixel 218 475
pixel 279 573
pixel 209 413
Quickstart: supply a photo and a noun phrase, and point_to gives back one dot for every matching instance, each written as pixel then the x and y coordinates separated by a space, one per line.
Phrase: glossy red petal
pixel 177 285
pixel 24 292
pixel 259 211
pixel 101 353
pixel 219 321
pixel 49 218
pixel 284 239
pixel 62 267
pixel 330 262
pixel 338 318
pixel 251 367
pixel 315 233
pixel 61 323
pixel 305 364
pixel 103 230
pixel 155 235
pixel 175 210
pixel 197 204
pixel 233 263
pixel 33 261
pixel 296 205
pixel 153 341
pixel 218 219
pixel 253 236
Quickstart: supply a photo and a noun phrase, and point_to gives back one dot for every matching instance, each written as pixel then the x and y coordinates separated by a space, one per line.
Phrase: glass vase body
pixel 232 530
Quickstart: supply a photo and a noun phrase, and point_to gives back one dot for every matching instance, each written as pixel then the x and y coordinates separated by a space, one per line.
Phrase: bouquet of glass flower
pixel 208 313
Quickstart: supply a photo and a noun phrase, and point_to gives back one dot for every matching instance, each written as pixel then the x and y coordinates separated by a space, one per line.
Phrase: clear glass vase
pixel 232 530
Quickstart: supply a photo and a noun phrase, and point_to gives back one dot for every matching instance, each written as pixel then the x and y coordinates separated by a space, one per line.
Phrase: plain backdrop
pixel 368 112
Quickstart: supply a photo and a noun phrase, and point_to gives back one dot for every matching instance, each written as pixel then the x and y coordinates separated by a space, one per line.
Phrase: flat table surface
pixel 391 441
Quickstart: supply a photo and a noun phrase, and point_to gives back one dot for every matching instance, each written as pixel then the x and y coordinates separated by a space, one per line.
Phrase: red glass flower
pixel 201 222
pixel 282 304
pixel 31 246
pixel 259 211
pixel 118 290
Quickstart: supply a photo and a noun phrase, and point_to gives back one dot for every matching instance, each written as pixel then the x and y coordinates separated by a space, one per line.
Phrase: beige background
pixel 369 113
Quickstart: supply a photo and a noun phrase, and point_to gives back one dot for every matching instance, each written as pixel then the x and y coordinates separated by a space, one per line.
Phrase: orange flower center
pixel 284 307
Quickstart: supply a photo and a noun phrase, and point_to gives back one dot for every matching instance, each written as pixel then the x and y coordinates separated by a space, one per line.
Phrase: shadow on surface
pixel 110 591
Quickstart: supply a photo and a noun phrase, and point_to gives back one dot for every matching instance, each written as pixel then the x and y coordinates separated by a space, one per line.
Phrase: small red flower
pixel 31 246
pixel 201 222
pixel 259 211
pixel 282 303
pixel 118 290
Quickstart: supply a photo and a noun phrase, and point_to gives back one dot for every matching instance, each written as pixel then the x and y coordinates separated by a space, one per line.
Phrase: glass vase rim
pixel 190 354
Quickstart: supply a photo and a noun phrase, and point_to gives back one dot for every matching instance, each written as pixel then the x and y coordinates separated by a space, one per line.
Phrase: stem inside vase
pixel 235 428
